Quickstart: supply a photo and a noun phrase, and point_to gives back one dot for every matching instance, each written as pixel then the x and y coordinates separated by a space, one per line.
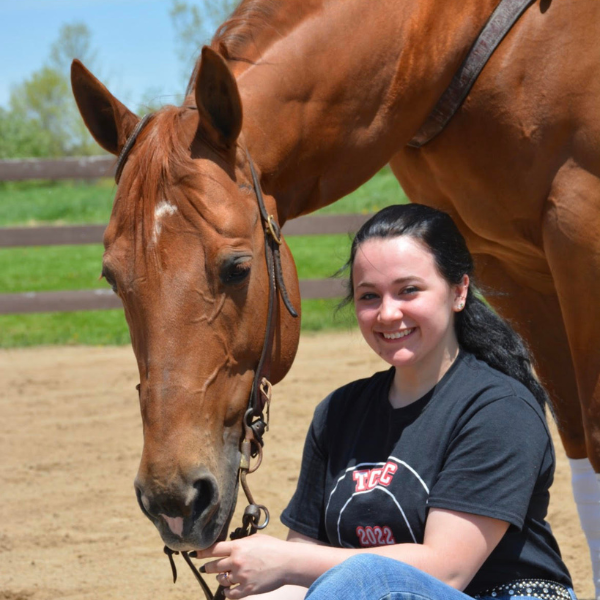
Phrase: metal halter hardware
pixel 256 417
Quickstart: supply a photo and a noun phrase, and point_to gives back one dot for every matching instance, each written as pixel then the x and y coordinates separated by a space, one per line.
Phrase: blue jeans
pixel 372 577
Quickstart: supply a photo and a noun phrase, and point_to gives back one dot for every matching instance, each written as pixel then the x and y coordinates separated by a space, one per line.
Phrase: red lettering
pixel 388 472
pixel 371 478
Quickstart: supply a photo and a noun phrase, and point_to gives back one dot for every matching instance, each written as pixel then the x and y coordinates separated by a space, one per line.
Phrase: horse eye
pixel 235 272
pixel 110 280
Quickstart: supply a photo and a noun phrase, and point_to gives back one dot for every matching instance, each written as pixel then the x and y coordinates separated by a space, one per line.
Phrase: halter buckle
pixel 274 229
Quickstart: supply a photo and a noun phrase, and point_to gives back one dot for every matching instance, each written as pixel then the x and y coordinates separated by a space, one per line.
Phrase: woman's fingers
pixel 226 579
pixel 218 566
pixel 218 549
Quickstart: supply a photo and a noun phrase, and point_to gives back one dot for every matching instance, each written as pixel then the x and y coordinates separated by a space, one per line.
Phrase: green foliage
pixel 43 120
pixel 21 137
pixel 44 99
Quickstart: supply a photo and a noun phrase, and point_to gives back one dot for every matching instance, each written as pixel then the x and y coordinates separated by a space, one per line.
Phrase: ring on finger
pixel 227 577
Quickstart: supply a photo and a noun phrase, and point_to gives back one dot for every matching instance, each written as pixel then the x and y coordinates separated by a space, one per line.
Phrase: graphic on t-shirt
pixel 363 506
pixel 367 479
pixel 369 537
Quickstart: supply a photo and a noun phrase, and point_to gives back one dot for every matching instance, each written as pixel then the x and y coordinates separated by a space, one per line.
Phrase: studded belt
pixel 533 588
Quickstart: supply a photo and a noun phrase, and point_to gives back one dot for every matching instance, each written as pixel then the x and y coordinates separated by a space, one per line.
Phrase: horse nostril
pixel 142 501
pixel 206 497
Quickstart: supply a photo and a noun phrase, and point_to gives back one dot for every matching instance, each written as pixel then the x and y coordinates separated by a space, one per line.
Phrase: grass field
pixel 78 267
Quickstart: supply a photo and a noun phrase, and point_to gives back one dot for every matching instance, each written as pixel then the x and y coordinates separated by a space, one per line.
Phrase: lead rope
pixel 255 423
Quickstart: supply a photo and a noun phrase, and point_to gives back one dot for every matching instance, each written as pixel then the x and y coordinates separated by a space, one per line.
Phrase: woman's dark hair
pixel 479 329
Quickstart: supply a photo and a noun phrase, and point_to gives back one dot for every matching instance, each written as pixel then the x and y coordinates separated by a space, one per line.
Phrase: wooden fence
pixel 101 299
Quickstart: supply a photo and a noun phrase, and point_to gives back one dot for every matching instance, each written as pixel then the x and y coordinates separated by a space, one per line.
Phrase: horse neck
pixel 330 102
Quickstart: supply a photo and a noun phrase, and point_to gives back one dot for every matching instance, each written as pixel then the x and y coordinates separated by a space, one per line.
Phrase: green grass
pixel 379 192
pixel 78 267
pixel 95 327
pixel 48 268
pixel 70 202
pixel 55 203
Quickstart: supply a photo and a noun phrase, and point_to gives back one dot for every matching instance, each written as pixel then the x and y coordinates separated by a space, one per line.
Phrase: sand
pixel 70 443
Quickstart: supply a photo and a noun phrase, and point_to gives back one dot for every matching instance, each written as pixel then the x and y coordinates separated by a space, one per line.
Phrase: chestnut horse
pixel 331 91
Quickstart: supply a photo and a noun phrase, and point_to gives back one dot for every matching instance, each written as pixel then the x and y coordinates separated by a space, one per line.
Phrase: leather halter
pixel 256 422
pixel 499 24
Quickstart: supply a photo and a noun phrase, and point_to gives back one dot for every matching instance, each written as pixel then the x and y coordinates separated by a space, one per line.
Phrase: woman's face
pixel 405 308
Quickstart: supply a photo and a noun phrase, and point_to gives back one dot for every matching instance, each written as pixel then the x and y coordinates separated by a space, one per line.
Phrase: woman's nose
pixel 390 310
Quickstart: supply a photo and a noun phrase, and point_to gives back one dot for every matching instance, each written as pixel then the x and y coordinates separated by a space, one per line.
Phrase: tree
pixel 195 25
pixel 21 137
pixel 45 100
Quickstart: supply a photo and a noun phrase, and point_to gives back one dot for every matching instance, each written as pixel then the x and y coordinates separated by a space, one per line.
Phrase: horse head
pixel 185 251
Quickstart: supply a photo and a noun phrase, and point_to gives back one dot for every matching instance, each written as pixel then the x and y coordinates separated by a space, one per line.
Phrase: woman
pixel 430 479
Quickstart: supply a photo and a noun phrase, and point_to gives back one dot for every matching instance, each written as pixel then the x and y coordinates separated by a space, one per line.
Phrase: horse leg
pixel 538 319
pixel 570 235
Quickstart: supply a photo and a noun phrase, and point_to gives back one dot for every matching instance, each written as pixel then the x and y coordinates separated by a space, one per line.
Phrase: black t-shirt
pixel 478 443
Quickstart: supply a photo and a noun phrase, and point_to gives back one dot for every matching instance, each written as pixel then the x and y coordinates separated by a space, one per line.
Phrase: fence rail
pixel 88 167
pixel 92 234
pixel 103 299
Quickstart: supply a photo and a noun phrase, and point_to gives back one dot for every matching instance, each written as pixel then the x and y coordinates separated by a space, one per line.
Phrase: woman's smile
pixel 397 335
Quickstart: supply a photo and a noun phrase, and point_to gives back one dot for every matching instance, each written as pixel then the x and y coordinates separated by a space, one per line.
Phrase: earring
pixel 460 306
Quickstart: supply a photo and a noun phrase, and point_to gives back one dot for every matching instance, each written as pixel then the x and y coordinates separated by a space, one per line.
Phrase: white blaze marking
pixel 162 209
pixel 175 524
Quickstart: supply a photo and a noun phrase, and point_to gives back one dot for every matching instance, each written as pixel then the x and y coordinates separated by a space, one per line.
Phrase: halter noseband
pixel 255 422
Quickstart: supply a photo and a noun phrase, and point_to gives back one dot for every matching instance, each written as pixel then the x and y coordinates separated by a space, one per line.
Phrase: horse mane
pixel 234 35
pixel 160 154
pixel 252 27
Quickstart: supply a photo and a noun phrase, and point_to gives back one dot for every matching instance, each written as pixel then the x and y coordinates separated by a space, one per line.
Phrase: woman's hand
pixel 252 565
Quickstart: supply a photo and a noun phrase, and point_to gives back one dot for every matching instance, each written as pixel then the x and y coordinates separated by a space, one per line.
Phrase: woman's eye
pixel 368 296
pixel 411 289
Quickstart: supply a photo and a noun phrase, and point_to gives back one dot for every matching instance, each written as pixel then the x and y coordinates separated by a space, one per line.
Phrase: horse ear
pixel 218 99
pixel 109 121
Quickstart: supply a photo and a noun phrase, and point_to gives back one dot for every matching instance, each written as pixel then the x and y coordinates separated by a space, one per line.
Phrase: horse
pixel 319 95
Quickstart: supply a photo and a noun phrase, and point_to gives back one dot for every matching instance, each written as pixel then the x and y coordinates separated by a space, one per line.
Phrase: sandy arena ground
pixel 70 442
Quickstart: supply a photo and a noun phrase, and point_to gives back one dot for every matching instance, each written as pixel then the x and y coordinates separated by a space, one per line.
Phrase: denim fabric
pixel 371 577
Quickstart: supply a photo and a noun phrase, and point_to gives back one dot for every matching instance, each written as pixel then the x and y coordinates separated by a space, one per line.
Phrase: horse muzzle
pixel 191 513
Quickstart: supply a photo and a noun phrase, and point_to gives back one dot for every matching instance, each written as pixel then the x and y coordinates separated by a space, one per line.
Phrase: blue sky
pixel 134 39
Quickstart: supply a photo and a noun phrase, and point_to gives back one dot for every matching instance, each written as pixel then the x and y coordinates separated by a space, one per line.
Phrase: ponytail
pixel 490 338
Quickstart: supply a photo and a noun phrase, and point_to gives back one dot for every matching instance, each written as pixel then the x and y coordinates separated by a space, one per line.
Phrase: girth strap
pixel 499 24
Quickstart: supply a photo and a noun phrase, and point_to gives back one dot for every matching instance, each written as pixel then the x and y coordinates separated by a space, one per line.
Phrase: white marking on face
pixel 162 209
